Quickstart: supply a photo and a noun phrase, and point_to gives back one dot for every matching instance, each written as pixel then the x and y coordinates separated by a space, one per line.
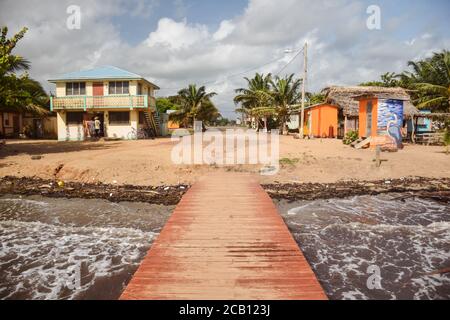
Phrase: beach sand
pixel 148 162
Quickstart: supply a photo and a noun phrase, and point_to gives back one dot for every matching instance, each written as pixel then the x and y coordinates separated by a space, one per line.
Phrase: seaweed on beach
pixel 437 189
pixel 165 195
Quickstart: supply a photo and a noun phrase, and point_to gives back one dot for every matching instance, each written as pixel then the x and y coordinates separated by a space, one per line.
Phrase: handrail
pixel 110 101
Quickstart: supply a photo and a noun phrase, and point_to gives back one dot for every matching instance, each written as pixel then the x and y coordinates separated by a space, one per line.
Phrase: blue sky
pixel 177 42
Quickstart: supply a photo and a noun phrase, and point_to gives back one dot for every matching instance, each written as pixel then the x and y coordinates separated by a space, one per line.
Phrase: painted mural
pixel 390 119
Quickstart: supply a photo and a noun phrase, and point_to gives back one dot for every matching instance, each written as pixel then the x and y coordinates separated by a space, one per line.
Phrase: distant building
pixel 15 125
pixel 123 101
pixel 11 124
pixel 346 109
pixel 172 125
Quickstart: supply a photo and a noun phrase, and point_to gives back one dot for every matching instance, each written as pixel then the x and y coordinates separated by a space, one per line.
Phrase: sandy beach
pixel 148 162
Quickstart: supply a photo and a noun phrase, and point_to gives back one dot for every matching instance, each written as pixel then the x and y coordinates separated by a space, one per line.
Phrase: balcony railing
pixel 101 102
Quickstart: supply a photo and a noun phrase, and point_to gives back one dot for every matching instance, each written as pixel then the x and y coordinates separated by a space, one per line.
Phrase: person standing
pixel 97 124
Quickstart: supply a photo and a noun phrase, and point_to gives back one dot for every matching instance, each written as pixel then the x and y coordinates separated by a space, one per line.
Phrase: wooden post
pixel 302 114
pixel 378 156
pixel 413 133
pixel 345 125
pixel 3 125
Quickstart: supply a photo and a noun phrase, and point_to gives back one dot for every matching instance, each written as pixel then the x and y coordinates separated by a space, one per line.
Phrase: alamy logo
pixel 73 21
pixel 374 20
pixel 374 280
pixel 232 147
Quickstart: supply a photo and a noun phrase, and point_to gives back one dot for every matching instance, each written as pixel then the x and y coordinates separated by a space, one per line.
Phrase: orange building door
pixel 369 118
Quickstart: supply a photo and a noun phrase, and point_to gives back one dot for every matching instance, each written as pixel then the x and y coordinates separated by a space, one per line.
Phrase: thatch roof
pixel 346 98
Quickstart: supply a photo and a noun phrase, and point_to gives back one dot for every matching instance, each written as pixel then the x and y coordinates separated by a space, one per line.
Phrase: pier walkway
pixel 225 240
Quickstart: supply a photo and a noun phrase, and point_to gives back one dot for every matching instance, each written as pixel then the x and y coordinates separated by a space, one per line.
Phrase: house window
pixel 75 88
pixel 119 117
pixel 139 89
pixel 74 118
pixel 119 87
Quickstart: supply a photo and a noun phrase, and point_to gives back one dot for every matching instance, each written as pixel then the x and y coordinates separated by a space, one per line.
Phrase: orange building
pixel 321 121
pixel 368 117
pixel 382 117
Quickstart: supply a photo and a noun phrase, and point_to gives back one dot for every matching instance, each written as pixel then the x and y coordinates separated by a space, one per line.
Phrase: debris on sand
pixel 438 189
pixel 58 169
pixel 165 195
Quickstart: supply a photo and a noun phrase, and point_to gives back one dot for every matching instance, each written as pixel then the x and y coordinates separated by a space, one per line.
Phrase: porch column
pixel 345 125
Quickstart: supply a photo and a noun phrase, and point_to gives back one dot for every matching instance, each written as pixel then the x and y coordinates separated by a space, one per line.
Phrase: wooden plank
pixel 363 143
pixel 225 240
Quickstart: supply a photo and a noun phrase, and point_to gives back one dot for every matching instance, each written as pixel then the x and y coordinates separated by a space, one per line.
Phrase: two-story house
pixel 123 101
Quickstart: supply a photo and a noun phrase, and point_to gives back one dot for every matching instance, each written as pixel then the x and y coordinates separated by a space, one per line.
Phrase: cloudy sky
pixel 177 42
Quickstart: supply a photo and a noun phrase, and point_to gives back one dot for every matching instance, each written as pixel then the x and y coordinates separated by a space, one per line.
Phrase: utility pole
pixel 305 70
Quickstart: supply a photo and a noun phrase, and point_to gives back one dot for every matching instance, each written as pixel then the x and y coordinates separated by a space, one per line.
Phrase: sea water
pixel 404 240
pixel 73 248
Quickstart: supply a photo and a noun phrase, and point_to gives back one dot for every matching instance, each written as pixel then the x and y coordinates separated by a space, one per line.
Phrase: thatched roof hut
pixel 346 98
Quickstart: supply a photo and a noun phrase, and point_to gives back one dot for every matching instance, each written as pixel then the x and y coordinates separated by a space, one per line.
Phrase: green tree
pixel 285 93
pixel 208 113
pixel 389 79
pixel 257 93
pixel 18 92
pixel 315 98
pixel 430 78
pixel 256 100
pixel 191 100
pixel 164 104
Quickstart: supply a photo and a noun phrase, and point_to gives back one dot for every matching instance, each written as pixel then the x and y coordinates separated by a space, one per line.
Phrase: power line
pixel 290 61
pixel 234 75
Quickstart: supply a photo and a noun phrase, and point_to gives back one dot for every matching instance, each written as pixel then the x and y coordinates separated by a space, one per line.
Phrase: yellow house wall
pixel 75 132
pixel 60 89
pixel 72 132
pixel 122 131
pixel 89 88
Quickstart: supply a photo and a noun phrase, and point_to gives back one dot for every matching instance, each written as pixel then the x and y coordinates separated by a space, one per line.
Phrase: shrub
pixel 447 139
pixel 350 137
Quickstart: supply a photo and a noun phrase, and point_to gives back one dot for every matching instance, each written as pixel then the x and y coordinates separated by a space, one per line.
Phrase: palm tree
pixel 285 92
pixel 315 98
pixel 256 99
pixel 208 112
pixel 18 93
pixel 191 100
pixel 431 79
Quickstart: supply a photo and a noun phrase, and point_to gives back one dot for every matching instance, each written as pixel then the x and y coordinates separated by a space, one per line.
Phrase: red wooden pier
pixel 225 240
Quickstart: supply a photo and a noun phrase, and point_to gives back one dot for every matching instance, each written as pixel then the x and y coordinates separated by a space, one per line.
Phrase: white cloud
pixel 225 29
pixel 176 35
pixel 341 49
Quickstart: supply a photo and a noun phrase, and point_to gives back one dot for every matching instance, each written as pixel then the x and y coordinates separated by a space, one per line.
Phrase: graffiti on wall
pixel 390 119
